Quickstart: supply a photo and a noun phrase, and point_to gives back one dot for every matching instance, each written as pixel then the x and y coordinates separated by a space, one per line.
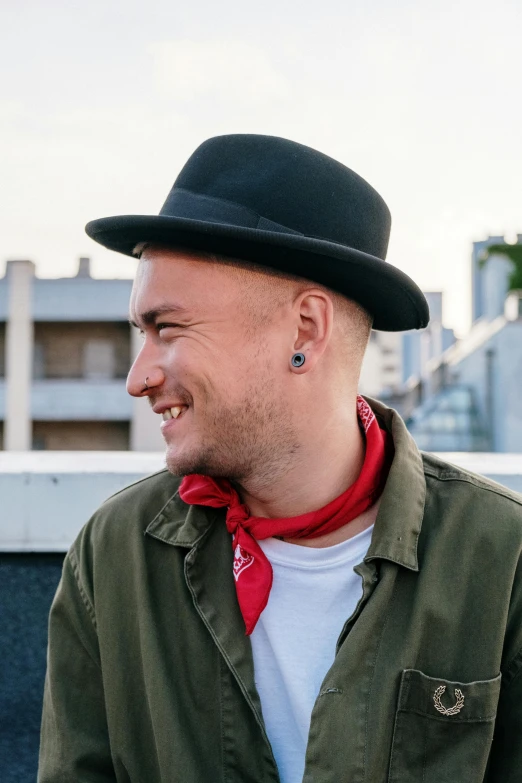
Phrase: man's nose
pixel 145 376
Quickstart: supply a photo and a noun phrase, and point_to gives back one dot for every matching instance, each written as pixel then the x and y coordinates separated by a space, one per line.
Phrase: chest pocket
pixel 443 730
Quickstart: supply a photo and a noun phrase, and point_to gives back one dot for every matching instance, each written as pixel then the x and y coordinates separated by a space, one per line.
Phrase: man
pixel 315 600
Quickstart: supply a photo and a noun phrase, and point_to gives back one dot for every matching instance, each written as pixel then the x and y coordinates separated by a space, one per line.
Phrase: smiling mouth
pixel 174 413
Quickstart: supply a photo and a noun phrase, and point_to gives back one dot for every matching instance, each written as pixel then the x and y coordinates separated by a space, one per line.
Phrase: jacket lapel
pixel 209 577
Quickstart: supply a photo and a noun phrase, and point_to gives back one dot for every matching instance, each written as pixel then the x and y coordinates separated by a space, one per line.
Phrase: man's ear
pixel 314 317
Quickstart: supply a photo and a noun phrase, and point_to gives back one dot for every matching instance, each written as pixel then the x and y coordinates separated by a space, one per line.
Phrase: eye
pixel 161 327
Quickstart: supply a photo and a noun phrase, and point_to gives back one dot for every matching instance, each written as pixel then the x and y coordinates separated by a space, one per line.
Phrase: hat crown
pixel 280 204
pixel 289 184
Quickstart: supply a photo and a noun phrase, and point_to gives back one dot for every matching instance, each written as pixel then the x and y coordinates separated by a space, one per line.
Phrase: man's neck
pixel 328 461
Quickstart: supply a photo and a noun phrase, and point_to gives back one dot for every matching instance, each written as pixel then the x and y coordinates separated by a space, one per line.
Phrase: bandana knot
pixel 251 569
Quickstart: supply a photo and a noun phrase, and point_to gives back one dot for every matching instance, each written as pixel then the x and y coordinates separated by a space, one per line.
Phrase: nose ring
pixel 146 384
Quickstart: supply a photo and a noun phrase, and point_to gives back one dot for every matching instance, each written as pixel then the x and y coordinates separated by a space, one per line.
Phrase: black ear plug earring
pixel 298 359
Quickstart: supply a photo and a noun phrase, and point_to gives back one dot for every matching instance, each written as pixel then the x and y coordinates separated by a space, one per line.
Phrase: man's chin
pixel 182 460
pixel 178 465
pixel 184 463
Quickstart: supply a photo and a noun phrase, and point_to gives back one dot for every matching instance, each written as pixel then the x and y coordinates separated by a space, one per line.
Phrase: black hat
pixel 283 205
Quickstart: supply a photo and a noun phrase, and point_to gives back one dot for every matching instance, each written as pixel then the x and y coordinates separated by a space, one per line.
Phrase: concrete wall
pixel 18 356
pixel 81 299
pixel 478 288
pixel 506 384
pixel 48 497
pixel 2 349
pixel 507 397
pixel 496 273
pixel 75 298
pixel 80 401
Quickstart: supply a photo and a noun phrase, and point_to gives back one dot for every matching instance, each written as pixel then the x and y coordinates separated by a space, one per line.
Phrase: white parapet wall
pixel 48 496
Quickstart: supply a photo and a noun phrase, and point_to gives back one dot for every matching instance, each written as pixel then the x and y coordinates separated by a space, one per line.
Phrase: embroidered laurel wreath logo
pixel 459 703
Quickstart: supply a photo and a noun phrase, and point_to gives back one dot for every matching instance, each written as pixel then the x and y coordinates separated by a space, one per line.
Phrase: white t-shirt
pixel 314 592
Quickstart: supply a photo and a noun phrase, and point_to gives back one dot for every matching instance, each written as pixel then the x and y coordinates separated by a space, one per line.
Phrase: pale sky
pixel 101 103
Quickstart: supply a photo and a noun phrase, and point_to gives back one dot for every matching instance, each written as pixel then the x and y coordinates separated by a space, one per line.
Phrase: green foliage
pixel 514 254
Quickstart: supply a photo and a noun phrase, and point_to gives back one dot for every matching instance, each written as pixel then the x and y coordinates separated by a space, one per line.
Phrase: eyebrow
pixel 149 317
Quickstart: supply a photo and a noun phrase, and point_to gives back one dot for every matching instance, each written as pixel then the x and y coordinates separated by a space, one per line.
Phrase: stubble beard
pixel 250 443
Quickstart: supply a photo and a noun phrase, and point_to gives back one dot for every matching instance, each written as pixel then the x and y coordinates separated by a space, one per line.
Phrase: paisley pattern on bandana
pixel 365 413
pixel 242 560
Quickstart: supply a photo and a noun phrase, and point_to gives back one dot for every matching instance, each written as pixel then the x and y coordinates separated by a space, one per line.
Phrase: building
pixel 66 346
pixel 393 359
pixel 468 399
pixel 381 371
pixel 422 346
pixel 490 280
pixel 65 349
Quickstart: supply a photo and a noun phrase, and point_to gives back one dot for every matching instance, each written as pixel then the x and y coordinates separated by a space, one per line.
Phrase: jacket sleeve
pixel 74 745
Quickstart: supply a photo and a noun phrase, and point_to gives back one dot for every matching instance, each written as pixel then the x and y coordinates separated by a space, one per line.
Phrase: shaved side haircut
pixel 267 289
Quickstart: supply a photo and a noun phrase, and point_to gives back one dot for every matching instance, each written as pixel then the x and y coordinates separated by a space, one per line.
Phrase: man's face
pixel 205 353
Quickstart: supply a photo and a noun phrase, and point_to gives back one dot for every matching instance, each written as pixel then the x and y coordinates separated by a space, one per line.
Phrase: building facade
pixel 381 371
pixel 489 280
pixel 394 359
pixel 65 349
pixel 468 399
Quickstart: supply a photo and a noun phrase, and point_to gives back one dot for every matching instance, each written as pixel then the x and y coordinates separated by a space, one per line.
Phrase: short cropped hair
pixel 355 322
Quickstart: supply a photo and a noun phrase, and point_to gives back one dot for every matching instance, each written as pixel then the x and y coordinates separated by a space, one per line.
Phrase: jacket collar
pixel 398 522
pixel 399 519
pixel 182 525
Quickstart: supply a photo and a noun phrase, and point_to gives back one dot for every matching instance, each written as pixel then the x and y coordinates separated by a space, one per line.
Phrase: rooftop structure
pixel 468 398
pixel 394 359
pixel 65 349
pixel 72 487
pixel 489 280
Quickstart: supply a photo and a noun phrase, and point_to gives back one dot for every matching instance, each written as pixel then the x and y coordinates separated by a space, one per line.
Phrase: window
pixel 38 361
pixel 39 443
pixel 99 360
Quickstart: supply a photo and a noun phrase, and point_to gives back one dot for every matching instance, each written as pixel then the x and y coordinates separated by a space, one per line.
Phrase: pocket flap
pixel 445 699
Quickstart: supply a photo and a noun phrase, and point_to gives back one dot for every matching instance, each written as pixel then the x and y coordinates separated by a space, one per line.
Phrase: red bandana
pixel 252 570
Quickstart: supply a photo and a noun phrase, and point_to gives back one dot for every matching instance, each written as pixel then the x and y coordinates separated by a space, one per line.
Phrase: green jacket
pixel 150 675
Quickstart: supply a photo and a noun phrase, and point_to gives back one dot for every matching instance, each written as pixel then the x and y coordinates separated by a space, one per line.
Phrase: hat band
pixel 182 203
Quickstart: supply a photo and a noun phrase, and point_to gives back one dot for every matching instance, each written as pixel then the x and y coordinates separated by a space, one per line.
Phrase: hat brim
pixel 393 299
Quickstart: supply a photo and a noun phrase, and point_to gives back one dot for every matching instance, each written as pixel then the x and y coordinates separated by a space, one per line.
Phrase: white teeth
pixel 173 413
